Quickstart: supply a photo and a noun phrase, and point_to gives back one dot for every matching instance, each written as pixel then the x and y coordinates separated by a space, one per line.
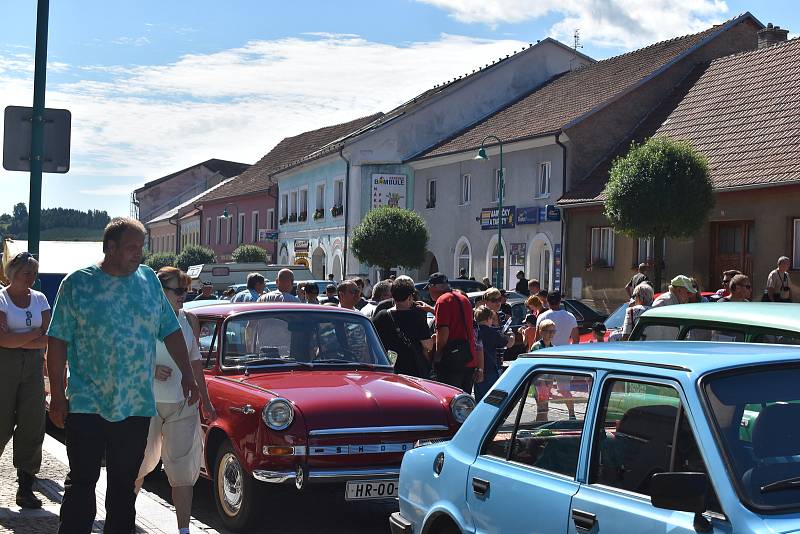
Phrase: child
pixel 528 330
pixel 492 338
pixel 547 329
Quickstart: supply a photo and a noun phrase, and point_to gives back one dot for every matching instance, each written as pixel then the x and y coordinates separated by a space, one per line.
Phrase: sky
pixel 155 87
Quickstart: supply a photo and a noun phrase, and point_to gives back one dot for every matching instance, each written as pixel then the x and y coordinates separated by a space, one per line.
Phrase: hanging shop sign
pixel 301 245
pixel 557 267
pixel 389 190
pixel 489 217
pixel 553 213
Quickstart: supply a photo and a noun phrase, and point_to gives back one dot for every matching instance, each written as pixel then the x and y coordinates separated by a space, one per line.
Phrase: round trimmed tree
pixel 158 260
pixel 389 237
pixel 659 189
pixel 249 253
pixel 194 255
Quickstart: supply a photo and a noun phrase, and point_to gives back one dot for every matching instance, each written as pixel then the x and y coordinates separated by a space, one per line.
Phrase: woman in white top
pixel 642 300
pixel 175 436
pixel 24 318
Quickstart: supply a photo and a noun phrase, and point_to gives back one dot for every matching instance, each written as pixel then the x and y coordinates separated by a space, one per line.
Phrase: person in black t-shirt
pixel 638 278
pixel 522 284
pixel 207 293
pixel 404 329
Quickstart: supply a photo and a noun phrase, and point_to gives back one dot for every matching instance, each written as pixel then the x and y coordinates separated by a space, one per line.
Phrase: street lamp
pixel 500 186
pixel 227 215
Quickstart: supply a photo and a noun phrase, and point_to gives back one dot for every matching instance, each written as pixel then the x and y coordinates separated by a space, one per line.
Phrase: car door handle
pixel 246 409
pixel 480 486
pixel 584 521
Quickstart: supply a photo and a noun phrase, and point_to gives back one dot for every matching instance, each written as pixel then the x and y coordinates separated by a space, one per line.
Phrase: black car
pixel 467 286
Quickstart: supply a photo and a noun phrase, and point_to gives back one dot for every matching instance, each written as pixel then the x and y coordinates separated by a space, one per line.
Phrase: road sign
pixel 17 139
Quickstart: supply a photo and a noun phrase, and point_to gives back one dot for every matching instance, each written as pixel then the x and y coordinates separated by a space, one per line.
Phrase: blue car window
pixel 543 427
pixel 643 430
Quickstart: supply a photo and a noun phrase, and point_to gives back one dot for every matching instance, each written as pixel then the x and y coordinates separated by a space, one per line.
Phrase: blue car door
pixel 523 479
pixel 642 429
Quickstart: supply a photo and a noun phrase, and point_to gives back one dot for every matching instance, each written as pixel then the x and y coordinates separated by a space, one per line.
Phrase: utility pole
pixel 37 128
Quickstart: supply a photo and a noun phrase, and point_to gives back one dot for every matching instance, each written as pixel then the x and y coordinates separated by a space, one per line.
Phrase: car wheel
pixel 236 492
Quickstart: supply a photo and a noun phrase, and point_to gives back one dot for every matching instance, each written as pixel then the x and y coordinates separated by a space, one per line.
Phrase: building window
pixel 208 231
pixel 229 228
pixel 293 206
pixel 544 179
pixel 338 198
pixel 302 209
pixel 240 229
pixel 466 189
pixel 219 229
pixel 430 194
pixel 796 244
pixel 645 252
pixel 254 225
pixel 284 208
pixel 464 260
pixel 602 247
pixel 496 185
pixel 320 205
pixel 270 219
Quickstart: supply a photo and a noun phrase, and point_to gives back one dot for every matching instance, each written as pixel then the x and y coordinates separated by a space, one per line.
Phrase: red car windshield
pixel 301 338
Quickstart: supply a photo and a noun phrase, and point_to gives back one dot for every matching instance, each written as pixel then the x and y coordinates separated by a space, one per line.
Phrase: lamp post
pixel 500 186
pixel 228 216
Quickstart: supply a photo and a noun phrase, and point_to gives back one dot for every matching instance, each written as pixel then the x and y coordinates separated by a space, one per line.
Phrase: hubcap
pixel 230 484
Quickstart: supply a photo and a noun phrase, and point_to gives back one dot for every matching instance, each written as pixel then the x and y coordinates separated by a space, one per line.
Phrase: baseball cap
pixel 436 278
pixel 684 282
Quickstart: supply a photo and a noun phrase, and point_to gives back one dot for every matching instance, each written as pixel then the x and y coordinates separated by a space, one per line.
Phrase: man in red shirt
pixel 458 362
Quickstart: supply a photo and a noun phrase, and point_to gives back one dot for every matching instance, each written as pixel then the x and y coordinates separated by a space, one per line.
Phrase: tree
pixel 194 255
pixel 249 253
pixel 19 224
pixel 389 237
pixel 160 259
pixel 659 189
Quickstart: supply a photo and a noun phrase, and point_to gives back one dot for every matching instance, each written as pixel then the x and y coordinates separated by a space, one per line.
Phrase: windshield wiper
pixel 268 361
pixel 336 361
pixel 788 483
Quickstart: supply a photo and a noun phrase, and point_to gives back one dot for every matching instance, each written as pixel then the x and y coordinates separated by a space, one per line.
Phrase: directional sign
pixel 17 139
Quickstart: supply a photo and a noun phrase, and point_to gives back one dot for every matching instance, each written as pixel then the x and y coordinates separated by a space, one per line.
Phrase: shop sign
pixel 518 253
pixel 301 245
pixel 389 190
pixel 267 235
pixel 489 218
pixel 553 213
pixel 529 215
pixel 557 267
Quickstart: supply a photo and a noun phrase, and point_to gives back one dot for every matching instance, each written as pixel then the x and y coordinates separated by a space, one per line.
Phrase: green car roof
pixel 781 316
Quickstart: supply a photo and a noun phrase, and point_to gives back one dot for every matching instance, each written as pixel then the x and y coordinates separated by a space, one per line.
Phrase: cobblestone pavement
pixel 154 515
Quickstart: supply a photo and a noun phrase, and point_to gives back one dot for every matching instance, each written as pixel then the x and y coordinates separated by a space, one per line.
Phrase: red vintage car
pixel 305 394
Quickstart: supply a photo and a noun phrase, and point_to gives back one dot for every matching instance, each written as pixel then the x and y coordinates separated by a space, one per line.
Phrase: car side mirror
pixel 684 492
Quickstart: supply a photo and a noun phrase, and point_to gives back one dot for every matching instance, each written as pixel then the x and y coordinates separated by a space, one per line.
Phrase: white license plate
pixel 357 490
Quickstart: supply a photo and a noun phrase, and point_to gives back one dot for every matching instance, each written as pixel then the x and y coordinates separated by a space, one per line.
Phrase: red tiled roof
pixel 569 97
pixel 742 112
pixel 289 150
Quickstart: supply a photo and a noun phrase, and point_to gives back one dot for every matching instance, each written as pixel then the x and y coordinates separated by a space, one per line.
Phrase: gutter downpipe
pixel 563 212
pixel 346 208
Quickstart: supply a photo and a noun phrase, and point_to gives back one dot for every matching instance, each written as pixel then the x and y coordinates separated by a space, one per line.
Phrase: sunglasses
pixel 177 290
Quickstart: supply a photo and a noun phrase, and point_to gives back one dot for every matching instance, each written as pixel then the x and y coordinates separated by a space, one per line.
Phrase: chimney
pixel 771 35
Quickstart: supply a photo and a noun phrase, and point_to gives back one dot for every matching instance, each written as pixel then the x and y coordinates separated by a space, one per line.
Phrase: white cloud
pixel 612 23
pixel 131 41
pixel 137 123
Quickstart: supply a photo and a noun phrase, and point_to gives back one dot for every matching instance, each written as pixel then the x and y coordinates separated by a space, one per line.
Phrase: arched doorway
pixel 462 258
pixel 301 261
pixel 540 261
pixel 429 265
pixel 337 268
pixel 495 264
pixel 319 264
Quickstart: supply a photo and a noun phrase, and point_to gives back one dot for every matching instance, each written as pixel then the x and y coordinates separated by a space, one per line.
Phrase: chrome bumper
pixel 327 475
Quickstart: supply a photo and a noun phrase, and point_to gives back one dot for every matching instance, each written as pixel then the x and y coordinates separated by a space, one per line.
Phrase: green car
pixel 750 322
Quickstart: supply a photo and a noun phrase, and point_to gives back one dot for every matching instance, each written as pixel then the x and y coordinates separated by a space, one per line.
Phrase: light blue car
pixel 634 438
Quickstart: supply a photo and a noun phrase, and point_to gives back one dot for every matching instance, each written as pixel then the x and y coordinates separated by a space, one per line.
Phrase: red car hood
pixel 340 399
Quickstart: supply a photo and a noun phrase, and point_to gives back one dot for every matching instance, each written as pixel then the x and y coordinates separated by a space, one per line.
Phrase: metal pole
pixel 37 128
pixel 500 187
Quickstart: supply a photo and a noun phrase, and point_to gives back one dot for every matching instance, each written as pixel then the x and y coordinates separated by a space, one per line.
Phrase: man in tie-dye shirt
pixel 106 320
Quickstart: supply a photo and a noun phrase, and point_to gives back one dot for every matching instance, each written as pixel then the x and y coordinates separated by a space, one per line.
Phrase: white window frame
pixel 795 244
pixel 602 246
pixel 254 225
pixel 319 192
pixel 229 229
pixel 466 189
pixel 430 193
pixel 240 228
pixel 270 219
pixel 293 200
pixel 544 182
pixel 496 185
pixel 284 207
pixel 219 229
pixel 301 205
pixel 338 192
pixel 647 244
pixel 208 230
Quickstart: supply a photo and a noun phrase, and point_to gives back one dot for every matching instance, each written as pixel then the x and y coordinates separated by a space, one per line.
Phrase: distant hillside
pixel 57 224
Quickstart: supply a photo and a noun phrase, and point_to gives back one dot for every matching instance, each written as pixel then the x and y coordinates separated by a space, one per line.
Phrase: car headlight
pixel 278 414
pixel 461 406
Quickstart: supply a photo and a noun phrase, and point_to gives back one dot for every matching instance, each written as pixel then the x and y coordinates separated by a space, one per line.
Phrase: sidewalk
pixel 153 514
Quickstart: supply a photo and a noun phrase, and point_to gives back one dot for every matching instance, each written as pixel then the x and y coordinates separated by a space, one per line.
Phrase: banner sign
pixel 518 253
pixel 300 245
pixel 553 213
pixel 528 215
pixel 389 190
pixel 557 267
pixel 489 218
pixel 267 235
